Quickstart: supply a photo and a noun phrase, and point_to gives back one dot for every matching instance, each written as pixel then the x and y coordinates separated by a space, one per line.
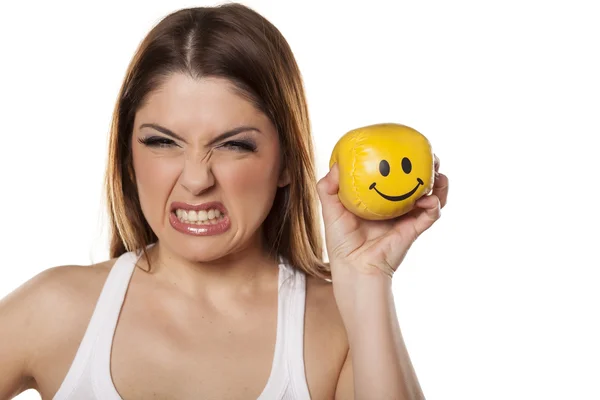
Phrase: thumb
pixel 327 189
pixel 329 184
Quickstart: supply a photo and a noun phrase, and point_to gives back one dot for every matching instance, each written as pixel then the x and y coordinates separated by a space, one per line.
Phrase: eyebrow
pixel 219 138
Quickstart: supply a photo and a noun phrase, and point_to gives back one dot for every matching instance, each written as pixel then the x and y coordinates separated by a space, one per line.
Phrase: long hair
pixel 234 42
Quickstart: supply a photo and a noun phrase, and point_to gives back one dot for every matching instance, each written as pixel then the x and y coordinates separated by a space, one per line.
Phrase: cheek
pixel 249 176
pixel 253 181
pixel 154 178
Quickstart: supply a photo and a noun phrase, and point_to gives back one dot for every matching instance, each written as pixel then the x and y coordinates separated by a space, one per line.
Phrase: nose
pixel 197 176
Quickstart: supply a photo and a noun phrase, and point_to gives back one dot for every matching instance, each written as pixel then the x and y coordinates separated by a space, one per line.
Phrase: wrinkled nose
pixel 197 176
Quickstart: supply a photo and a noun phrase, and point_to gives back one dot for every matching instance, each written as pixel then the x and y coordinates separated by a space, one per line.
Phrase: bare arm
pixel 378 365
pixel 34 320
pixel 17 333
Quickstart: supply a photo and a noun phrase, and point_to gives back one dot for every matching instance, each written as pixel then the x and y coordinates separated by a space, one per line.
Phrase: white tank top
pixel 89 375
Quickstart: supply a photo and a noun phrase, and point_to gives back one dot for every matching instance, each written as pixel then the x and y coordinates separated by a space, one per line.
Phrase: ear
pixel 284 178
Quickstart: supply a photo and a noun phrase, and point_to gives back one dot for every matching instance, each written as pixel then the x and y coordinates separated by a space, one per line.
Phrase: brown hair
pixel 234 42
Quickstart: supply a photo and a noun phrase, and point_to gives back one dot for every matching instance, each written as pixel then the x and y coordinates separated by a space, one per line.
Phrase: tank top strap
pixel 293 296
pixel 93 354
pixel 110 303
pixel 287 379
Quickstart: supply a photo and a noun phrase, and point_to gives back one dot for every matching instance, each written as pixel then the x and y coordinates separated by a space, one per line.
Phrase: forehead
pixel 182 100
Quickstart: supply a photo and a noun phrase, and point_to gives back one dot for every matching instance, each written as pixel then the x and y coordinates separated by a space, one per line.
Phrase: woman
pixel 216 287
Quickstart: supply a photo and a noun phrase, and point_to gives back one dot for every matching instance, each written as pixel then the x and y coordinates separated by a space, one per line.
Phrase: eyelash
pixel 162 142
pixel 240 145
pixel 156 141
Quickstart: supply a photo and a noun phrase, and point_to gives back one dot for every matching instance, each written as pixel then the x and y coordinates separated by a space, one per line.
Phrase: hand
pixel 375 247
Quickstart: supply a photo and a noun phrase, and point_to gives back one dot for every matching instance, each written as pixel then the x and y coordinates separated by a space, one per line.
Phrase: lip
pixel 195 229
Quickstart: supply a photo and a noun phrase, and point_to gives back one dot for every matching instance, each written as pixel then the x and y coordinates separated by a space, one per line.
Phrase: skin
pixel 192 170
pixel 206 298
pixel 363 256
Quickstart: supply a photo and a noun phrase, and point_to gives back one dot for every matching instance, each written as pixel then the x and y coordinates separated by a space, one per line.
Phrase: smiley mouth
pixel 397 198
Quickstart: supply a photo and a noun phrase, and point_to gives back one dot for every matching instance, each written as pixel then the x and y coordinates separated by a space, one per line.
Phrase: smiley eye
pixel 406 165
pixel 384 168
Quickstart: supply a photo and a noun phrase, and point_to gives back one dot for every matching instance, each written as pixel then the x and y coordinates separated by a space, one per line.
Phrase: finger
pixel 436 163
pixel 440 188
pixel 327 189
pixel 329 184
pixel 431 212
pixel 427 202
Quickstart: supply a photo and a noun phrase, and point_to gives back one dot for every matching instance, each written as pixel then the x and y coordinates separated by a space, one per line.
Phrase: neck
pixel 237 274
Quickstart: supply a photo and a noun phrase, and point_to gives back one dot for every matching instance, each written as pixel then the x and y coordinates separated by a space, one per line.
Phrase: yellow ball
pixel 384 169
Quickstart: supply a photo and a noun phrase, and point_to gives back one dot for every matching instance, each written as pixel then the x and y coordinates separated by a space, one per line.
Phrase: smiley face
pixel 384 170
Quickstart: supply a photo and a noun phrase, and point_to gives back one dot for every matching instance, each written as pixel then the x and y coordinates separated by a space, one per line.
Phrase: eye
pixel 239 145
pixel 157 141
pixel 406 165
pixel 384 168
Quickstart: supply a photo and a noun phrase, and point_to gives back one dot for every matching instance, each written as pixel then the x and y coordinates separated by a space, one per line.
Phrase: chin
pixel 201 249
pixel 208 247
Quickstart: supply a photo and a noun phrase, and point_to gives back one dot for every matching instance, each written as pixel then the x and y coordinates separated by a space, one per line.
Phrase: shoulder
pixel 56 288
pixel 326 343
pixel 321 308
pixel 66 294
pixel 63 288
pixel 322 311
pixel 43 321
pixel 63 276
pixel 320 291
pixel 54 307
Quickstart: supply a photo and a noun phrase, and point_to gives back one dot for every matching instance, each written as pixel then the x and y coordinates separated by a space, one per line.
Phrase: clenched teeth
pixel 210 216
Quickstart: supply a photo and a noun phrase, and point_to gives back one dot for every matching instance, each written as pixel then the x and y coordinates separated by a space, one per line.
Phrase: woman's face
pixel 207 166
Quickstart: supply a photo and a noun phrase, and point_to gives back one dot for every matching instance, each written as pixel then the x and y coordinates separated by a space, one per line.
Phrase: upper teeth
pixel 201 215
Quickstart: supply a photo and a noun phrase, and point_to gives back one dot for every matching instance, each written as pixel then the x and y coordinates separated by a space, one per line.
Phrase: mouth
pixel 199 219
pixel 397 198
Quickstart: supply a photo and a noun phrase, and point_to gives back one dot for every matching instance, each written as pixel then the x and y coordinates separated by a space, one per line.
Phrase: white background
pixel 499 300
